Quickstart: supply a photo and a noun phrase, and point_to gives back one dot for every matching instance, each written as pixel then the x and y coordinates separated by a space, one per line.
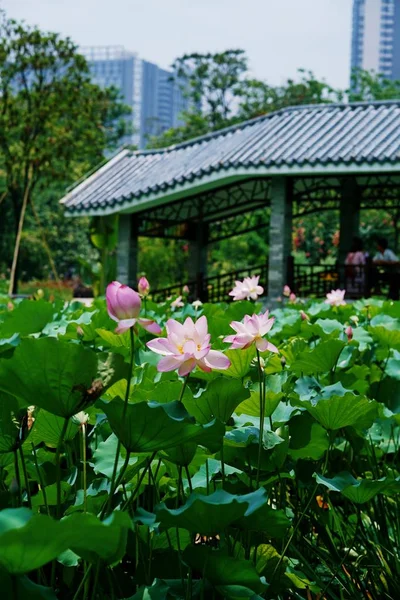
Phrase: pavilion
pixel 293 162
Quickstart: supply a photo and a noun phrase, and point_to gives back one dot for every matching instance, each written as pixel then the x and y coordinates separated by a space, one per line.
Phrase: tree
pixel 257 98
pixel 212 81
pixel 54 123
pixel 222 94
pixel 368 86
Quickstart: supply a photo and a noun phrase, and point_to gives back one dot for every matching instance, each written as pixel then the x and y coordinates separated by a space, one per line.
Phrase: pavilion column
pixel 280 235
pixel 127 251
pixel 197 265
pixel 349 220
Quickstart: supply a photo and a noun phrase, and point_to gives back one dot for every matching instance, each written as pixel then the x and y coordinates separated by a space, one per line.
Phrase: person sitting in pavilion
pixel 355 263
pixel 385 257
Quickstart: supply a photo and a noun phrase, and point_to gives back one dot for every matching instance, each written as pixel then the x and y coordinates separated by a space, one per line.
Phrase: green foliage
pixel 56 374
pixel 273 479
pixel 55 125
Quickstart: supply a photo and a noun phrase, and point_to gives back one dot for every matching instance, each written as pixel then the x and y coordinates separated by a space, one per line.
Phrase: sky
pixel 279 36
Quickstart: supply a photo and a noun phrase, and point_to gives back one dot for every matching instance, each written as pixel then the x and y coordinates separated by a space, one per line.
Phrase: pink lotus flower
pixel 349 332
pixel 304 316
pixel 177 303
pixel 292 298
pixel 185 290
pixel 143 286
pixel 287 291
pixel 335 298
pixel 248 288
pixel 251 331
pixel 123 306
pixel 187 346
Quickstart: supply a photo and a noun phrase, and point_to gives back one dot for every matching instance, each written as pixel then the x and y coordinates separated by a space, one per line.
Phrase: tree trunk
pixel 13 284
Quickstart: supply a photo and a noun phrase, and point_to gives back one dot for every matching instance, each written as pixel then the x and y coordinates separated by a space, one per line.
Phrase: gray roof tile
pixel 303 137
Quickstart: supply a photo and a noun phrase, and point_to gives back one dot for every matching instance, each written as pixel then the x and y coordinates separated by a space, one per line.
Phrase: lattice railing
pixel 307 280
pixel 215 288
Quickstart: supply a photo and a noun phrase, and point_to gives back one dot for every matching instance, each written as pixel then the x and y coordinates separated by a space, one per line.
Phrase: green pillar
pixel 197 264
pixel 280 235
pixel 127 252
pixel 349 219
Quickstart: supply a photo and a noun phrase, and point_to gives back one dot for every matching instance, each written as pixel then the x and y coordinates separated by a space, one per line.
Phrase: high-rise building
pixel 376 37
pixel 156 98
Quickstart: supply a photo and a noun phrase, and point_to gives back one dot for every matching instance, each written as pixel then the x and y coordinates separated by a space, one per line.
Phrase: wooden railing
pixel 358 280
pixel 215 288
pixel 306 280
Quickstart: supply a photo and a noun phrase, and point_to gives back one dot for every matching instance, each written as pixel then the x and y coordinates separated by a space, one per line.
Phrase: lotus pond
pixel 121 481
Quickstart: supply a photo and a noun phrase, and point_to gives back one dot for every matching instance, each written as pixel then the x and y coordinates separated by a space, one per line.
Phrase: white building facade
pixel 156 99
pixel 376 37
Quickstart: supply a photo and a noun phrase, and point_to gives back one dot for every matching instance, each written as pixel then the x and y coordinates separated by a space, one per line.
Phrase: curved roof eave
pixel 141 202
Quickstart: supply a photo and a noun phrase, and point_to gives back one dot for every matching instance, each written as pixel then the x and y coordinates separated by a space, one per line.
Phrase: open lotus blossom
pixel 123 306
pixel 177 303
pixel 143 286
pixel 187 346
pixel 336 298
pixel 196 304
pixel 247 289
pixel 251 331
pixel 287 291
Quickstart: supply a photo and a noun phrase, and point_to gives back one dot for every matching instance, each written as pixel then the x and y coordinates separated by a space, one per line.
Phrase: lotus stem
pixel 124 411
pixel 261 378
pixel 185 381
pixel 58 466
pixel 28 493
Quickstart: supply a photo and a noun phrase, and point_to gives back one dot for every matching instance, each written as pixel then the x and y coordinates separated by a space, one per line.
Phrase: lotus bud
pixel 304 316
pixel 349 332
pixel 143 286
pixel 122 302
pixel 81 418
pixel 286 291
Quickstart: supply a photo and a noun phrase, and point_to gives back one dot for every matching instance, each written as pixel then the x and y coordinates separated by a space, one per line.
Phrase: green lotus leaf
pixel 211 514
pixel 335 412
pixel 386 337
pixel 218 400
pixel 240 362
pixel 9 343
pixel 223 570
pixel 104 457
pixel 51 374
pixel 327 327
pixel 48 428
pixel 320 359
pixel 13 428
pixel 26 318
pixel 356 490
pixel 362 337
pixel 150 426
pixel 28 541
pixel 308 439
pixel 273 396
